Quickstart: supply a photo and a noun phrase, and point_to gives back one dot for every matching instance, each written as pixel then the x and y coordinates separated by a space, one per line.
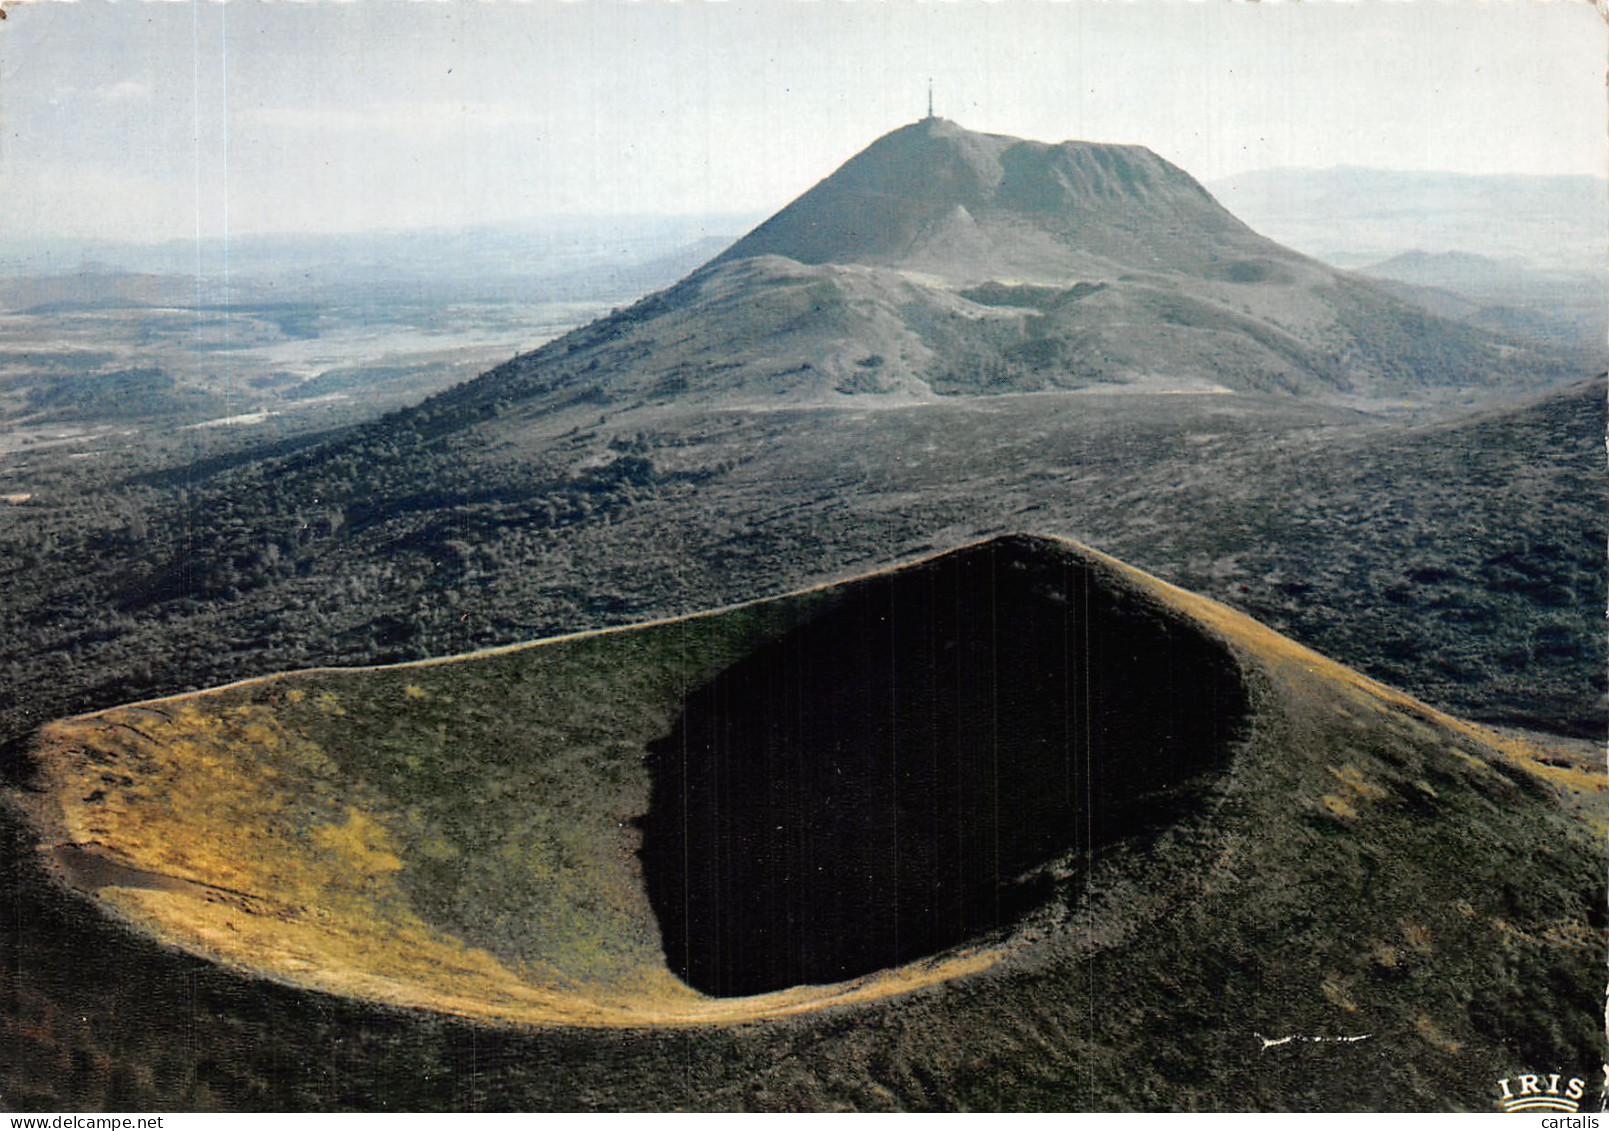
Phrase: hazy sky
pixel 149 120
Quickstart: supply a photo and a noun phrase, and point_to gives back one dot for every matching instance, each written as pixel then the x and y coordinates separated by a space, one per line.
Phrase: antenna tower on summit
pixel 929 98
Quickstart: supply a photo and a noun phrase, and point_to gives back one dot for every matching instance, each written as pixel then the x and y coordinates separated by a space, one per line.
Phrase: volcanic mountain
pixel 942 261
pixel 969 207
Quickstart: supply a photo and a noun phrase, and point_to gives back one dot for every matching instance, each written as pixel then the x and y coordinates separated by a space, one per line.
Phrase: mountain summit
pixel 970 207
pixel 942 262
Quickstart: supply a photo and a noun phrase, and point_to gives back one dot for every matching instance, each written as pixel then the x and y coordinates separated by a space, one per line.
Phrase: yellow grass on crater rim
pixel 251 854
pixel 414 966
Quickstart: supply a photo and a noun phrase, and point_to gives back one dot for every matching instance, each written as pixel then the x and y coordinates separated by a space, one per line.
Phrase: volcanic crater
pixel 983 830
pixel 853 790
pixel 913 766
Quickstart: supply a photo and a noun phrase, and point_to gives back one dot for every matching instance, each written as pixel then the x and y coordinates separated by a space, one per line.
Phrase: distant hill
pixel 1355 216
pixel 557 258
pixel 99 288
pixel 1569 309
pixel 1455 270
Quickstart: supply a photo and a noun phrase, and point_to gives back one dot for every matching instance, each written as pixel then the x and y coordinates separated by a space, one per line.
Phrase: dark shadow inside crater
pixel 875 786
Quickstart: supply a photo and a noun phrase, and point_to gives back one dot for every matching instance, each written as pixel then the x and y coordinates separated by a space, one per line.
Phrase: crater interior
pixel 897 775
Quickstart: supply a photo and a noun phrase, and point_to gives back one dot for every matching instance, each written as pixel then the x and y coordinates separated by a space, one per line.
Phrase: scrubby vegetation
pixel 1461 561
